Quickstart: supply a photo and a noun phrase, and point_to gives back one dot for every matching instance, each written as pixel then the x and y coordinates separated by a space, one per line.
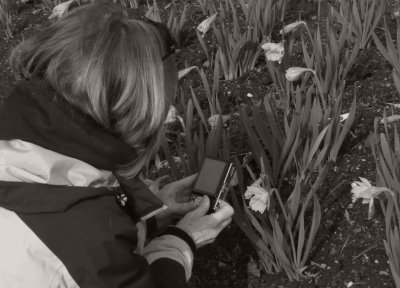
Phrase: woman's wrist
pixel 182 234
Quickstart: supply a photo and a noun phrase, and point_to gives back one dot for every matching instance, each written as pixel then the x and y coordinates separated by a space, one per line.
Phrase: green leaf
pixel 213 142
pixel 345 130
pixel 203 46
pixel 300 241
pixel 316 220
pixel 198 109
pixel 176 173
pixel 316 145
pixel 254 143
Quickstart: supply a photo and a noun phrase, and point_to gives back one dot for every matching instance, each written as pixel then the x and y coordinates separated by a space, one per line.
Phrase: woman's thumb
pixel 202 209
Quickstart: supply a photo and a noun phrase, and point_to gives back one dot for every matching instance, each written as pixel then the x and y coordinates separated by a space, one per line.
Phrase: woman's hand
pixel 176 196
pixel 205 228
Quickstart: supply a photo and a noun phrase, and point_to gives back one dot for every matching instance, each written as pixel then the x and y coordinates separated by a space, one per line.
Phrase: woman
pixel 74 135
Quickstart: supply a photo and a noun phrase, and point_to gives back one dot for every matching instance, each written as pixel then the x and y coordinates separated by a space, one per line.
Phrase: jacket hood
pixel 33 113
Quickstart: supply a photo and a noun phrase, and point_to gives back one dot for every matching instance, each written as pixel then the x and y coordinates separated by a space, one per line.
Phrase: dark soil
pixel 348 248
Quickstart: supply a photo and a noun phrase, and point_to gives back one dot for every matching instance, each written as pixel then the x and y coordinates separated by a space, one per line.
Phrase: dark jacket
pixel 89 232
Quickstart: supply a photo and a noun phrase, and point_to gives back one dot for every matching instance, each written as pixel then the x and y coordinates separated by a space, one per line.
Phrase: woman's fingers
pixel 185 183
pixel 201 209
pixel 224 212
pixel 184 188
pixel 185 207
pixel 205 228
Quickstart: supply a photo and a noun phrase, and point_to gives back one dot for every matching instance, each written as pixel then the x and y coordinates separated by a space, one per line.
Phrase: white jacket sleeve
pixel 172 247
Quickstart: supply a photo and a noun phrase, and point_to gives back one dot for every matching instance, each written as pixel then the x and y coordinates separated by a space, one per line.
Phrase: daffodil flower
pixel 390 119
pixel 259 197
pixel 60 9
pixel 365 191
pixel 274 51
pixel 290 27
pixel 184 72
pixel 344 116
pixel 235 180
pixel 294 73
pixel 171 117
pixel 213 120
pixel 206 24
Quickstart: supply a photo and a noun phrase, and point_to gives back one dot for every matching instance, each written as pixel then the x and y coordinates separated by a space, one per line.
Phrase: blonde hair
pixel 108 66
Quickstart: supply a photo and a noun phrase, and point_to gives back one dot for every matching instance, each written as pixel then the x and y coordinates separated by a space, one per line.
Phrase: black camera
pixel 213 180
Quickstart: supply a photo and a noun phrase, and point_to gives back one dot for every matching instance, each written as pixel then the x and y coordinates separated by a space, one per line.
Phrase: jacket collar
pixel 32 113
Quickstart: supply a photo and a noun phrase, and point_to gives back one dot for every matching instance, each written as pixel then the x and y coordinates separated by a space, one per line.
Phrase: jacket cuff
pixel 175 231
pixel 172 247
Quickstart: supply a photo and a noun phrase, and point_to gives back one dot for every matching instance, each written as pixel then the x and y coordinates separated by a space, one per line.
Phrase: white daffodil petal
pixel 259 198
pixel 184 72
pixel 367 193
pixel 204 26
pixel 257 182
pixel 290 27
pixel 171 117
pixel 344 116
pixel 294 73
pixel 272 46
pixel 256 191
pixel 235 180
pixel 366 182
pixel 257 205
pixel 274 56
pixel 247 195
pixel 366 201
pixel 274 51
pixel 390 119
pixel 60 9
pixel 213 120
pixel 249 192
pixel 361 193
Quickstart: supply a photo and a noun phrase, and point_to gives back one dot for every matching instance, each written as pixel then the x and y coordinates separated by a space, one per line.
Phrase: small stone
pixel 221 264
pixel 376 261
pixel 250 95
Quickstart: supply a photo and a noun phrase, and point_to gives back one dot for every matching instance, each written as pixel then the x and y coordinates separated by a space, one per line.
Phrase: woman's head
pixel 111 66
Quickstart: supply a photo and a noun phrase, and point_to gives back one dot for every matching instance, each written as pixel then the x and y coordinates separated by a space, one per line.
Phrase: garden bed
pixel 348 250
